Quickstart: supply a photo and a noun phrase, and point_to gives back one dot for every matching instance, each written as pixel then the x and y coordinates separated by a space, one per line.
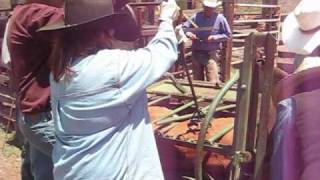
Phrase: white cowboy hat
pixel 301 28
pixel 211 3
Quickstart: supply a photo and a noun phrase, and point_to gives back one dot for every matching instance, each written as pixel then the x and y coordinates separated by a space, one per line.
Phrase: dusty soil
pixel 9 159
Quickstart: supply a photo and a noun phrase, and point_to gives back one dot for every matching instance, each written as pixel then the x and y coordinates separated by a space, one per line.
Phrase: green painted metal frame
pixel 250 127
pixel 268 70
pixel 206 122
pixel 248 137
pixel 243 104
pixel 189 116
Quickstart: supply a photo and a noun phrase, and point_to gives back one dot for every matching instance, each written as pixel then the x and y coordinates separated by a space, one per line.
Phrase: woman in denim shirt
pixel 99 98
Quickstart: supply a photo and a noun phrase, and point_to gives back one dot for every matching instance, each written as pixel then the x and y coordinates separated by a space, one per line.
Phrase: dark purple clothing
pixel 296 134
pixel 286 161
pixel 29 52
pixel 304 81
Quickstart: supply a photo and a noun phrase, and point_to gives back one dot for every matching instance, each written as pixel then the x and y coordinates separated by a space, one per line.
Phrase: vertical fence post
pixel 243 105
pixel 228 10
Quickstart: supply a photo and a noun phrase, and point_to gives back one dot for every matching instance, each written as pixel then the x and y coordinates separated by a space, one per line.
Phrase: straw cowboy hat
pixel 211 3
pixel 301 28
pixel 87 13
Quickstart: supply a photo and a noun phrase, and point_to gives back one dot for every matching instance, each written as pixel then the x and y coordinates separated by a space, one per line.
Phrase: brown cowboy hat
pixel 85 13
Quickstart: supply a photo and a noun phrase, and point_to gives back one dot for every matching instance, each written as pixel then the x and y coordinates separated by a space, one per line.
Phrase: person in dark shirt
pixel 29 53
pixel 206 42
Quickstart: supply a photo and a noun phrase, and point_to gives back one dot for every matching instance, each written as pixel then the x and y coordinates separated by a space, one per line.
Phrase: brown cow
pixel 178 161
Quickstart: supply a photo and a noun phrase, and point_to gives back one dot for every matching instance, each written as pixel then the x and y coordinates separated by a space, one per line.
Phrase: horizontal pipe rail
pixel 215 148
pixel 257 20
pixel 257 5
pixel 188 116
pixel 144 4
pixel 247 34
pixel 159 100
pixel 220 134
pixel 179 109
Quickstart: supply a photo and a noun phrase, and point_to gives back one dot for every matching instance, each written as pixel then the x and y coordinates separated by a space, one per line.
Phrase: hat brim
pixel 211 5
pixel 126 28
pixel 296 40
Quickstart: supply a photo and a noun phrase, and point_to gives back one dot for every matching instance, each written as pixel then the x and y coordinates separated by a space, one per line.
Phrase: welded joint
pixel 241 157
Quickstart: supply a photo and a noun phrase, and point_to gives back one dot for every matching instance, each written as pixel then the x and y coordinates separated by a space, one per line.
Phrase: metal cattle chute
pixel 245 95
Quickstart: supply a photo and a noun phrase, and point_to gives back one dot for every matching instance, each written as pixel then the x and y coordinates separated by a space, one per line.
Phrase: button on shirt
pixel 220 29
pixel 102 124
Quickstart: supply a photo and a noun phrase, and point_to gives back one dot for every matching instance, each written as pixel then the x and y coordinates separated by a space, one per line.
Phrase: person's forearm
pixel 221 37
pixel 144 66
pixel 165 38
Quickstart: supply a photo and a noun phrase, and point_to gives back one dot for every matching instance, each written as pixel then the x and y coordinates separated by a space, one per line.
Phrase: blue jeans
pixel 26 173
pixel 38 131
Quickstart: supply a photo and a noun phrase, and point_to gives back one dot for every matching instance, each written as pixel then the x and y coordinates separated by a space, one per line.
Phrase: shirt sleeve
pixel 5 55
pixel 224 29
pixel 27 19
pixel 45 16
pixel 142 67
pixel 285 158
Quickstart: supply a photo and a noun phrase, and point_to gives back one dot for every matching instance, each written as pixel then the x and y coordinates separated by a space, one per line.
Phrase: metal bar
pixel 176 119
pixel 228 9
pixel 165 129
pixel 253 111
pixel 204 84
pixel 215 148
pixel 257 20
pixel 270 49
pixel 257 5
pixel 243 104
pixel 175 83
pixel 159 100
pixel 226 107
pixel 205 124
pixel 175 111
pixel 144 4
pixel 179 95
pixel 184 62
pixel 220 134
pixel 247 34
pixel 188 116
pixel 190 20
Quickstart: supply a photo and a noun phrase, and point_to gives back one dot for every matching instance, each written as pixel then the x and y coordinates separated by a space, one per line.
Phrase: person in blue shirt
pixel 99 98
pixel 206 42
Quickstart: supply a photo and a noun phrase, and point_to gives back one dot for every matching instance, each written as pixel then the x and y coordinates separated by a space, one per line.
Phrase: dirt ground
pixel 9 159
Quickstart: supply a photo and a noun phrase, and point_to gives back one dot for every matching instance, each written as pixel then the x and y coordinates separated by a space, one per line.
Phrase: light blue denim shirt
pixel 102 124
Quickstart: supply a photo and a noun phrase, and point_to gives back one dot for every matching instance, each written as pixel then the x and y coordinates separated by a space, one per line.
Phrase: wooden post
pixel 228 10
pixel 268 13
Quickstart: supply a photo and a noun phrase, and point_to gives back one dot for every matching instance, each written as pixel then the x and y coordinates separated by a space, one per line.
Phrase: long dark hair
pixel 69 45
